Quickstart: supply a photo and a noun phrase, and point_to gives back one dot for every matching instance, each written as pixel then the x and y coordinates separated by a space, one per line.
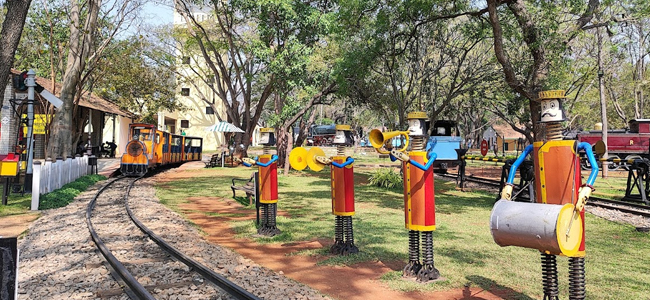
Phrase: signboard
pixel 40 121
pixel 484 147
pixel 9 268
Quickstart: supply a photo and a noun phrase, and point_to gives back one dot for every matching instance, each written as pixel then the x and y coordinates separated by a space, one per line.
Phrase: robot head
pixel 551 102
pixel 417 123
pixel 343 135
pixel 267 136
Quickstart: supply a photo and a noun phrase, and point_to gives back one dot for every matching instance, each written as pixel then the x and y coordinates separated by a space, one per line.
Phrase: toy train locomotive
pixel 632 143
pixel 149 148
pixel 444 141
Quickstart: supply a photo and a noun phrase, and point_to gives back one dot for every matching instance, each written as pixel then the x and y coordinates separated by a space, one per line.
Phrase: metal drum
pixel 537 226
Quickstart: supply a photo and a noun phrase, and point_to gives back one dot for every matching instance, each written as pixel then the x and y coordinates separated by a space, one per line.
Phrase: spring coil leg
pixel 549 277
pixel 268 227
pixel 265 218
pixel 576 278
pixel 349 247
pixel 272 229
pixel 413 267
pixel 338 236
pixel 428 271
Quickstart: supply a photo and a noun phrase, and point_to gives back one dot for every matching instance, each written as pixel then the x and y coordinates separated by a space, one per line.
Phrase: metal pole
pixel 603 102
pixel 30 82
pixel 114 128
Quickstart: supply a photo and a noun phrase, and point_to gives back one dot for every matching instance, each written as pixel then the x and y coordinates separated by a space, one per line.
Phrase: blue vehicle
pixel 444 141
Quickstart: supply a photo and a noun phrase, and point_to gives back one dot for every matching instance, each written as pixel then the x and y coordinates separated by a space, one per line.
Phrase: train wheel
pixel 584 164
pixel 627 165
pixel 613 166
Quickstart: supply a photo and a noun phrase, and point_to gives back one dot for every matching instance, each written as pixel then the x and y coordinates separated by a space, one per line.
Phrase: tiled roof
pixel 87 100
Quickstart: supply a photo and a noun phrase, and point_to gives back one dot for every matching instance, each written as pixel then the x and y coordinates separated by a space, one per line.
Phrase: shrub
pixel 66 194
pixel 387 178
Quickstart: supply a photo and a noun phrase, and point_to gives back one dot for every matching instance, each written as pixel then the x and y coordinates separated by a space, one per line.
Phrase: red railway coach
pixel 624 144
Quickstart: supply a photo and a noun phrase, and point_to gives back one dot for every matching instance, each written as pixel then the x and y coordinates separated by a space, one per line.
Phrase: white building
pixel 195 94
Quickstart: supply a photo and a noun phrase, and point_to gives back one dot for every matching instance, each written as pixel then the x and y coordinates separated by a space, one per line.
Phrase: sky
pixel 157 14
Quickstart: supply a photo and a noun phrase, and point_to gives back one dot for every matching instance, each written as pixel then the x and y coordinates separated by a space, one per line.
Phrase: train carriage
pixel 632 143
pixel 149 148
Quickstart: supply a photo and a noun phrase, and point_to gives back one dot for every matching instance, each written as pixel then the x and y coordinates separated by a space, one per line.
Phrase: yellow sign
pixel 40 121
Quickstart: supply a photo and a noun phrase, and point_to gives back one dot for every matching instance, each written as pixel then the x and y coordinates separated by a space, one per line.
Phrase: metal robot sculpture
pixel 419 200
pixel 558 193
pixel 342 182
pixel 268 183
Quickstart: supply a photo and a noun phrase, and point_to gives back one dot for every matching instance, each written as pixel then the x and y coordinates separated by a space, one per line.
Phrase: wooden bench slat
pixel 248 187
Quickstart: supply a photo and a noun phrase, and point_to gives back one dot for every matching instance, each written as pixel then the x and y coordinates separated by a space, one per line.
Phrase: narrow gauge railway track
pixel 626 207
pixel 632 208
pixel 144 255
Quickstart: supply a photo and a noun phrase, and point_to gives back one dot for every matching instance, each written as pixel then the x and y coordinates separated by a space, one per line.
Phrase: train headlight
pixel 134 149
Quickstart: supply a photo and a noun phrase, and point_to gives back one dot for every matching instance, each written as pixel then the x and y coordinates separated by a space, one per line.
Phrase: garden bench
pixel 248 187
pixel 214 161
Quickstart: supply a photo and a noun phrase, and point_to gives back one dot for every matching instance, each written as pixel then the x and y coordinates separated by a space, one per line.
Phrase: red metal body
pixel 558 178
pixel 342 188
pixel 268 180
pixel 419 197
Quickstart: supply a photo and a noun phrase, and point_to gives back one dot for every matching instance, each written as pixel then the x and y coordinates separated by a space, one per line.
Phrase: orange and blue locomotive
pixel 149 148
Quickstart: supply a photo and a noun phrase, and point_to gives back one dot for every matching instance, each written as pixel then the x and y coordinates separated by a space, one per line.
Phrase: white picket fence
pixel 53 175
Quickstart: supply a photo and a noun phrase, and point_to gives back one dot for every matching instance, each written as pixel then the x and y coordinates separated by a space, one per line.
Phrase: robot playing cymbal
pixel 342 185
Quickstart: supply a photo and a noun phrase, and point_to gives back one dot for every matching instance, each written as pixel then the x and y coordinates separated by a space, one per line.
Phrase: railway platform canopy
pixel 99 120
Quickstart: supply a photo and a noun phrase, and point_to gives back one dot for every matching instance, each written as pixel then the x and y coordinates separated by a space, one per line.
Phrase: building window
pixel 185 91
pixel 209 110
pixel 186 60
pixel 185 123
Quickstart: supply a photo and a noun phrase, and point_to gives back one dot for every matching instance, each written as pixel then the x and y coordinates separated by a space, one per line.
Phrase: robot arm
pixel 347 162
pixel 274 158
pixel 592 161
pixel 585 192
pixel 403 157
pixel 506 193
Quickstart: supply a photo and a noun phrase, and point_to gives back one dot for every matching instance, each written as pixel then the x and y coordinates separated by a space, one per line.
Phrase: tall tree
pixel 12 28
pixel 87 43
pixel 545 34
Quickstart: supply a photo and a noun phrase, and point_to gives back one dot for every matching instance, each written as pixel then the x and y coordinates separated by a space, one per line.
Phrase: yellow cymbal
pixel 311 159
pixel 298 158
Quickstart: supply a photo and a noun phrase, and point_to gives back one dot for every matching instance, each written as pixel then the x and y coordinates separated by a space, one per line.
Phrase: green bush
pixel 386 178
pixel 66 194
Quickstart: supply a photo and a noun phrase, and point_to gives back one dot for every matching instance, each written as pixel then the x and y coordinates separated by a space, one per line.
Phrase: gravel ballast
pixel 58 259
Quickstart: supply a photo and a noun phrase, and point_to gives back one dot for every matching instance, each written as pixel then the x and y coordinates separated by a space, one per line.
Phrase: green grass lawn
pixel 16 204
pixel 465 254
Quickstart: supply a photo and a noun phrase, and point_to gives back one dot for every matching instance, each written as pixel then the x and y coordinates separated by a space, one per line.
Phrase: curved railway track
pixel 626 207
pixel 162 267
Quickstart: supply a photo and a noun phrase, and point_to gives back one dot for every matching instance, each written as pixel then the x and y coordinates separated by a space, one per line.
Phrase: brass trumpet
pixel 378 138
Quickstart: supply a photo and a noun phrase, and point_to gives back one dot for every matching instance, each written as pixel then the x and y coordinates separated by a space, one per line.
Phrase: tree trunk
pixel 12 29
pixel 282 145
pixel 81 39
pixel 289 143
pixel 304 128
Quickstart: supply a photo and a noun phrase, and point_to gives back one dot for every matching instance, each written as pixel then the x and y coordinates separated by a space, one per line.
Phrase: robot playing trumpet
pixel 419 201
pixel 342 176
